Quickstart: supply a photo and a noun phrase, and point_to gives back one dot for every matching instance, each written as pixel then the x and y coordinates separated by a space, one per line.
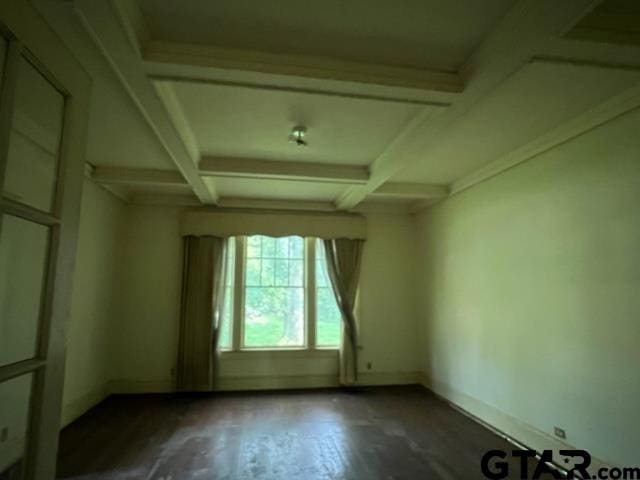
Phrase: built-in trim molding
pixel 178 117
pixel 98 20
pixel 77 407
pixel 269 382
pixel 138 176
pixel 603 113
pixel 271 354
pixel 165 200
pixel 273 204
pixel 117 191
pixel 277 382
pixel 180 77
pixel 366 378
pixel 411 190
pixel 301 66
pixel 279 170
pixel 502 423
pixel 384 167
pixel 133 386
pixel 133 22
pixel 389 208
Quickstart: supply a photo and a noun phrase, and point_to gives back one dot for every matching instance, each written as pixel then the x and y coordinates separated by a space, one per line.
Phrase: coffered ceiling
pixel 430 34
pixel 405 102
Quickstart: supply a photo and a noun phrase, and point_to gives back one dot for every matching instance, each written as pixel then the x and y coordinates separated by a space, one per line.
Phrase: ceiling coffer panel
pixel 231 121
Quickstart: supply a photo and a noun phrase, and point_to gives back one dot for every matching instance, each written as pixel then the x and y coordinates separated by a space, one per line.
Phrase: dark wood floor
pixel 375 433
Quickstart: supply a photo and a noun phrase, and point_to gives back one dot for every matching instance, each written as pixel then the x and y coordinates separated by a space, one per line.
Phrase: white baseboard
pixel 75 408
pixel 389 378
pixel 129 386
pixel 504 424
pixel 268 382
pixel 276 382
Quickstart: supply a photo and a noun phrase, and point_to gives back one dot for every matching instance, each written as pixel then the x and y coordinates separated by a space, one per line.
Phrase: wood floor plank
pixel 375 433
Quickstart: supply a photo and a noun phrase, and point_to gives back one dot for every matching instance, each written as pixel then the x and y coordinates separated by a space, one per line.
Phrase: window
pixel 278 296
pixel 274 292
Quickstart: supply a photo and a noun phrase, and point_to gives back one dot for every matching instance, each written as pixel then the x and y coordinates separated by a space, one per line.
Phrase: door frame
pixel 29 35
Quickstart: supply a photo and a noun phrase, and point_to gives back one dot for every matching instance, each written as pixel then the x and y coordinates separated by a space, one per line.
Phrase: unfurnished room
pixel 330 240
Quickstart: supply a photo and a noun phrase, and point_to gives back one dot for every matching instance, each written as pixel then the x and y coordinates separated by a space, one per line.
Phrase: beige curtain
pixel 202 293
pixel 343 266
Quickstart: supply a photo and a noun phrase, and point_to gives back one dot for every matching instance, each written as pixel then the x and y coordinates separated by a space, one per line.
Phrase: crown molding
pixel 606 111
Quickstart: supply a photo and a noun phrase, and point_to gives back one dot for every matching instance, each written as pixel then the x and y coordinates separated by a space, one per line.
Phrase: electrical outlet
pixel 368 365
pixel 559 432
pixel 4 434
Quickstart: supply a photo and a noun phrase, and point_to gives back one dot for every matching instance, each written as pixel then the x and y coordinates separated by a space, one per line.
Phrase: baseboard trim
pixel 82 404
pixel 389 378
pixel 501 423
pixel 128 386
pixel 273 382
pixel 269 382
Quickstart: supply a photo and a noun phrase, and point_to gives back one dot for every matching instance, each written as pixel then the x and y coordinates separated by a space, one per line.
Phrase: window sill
pixel 280 353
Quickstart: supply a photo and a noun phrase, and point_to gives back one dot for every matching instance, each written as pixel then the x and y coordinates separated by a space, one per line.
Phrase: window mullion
pixel 310 291
pixel 238 293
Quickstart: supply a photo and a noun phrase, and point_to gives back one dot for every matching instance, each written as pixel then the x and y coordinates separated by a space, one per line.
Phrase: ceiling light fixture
pixel 297 136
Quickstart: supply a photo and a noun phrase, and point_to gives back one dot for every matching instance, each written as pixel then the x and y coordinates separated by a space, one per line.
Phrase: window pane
pixel 268 247
pixel 296 248
pixel 296 273
pixel 23 255
pixel 253 247
pixel 15 396
pixel 282 273
pixel 274 317
pixel 268 274
pixel 34 140
pixel 274 294
pixel 253 269
pixel 282 247
pixel 328 316
pixel 224 342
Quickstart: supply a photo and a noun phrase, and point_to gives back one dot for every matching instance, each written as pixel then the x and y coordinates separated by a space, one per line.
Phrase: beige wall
pixel 145 351
pixel 95 305
pixel 530 288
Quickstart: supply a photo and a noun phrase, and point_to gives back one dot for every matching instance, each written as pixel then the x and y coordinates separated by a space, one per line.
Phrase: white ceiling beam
pixel 102 24
pixel 164 200
pixel 133 22
pixel 301 66
pixel 138 176
pixel 388 96
pixel 521 35
pixel 281 170
pixel 274 204
pixel 119 191
pixel 411 190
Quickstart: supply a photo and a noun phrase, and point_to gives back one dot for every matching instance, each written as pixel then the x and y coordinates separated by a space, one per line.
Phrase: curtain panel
pixel 344 258
pixel 201 305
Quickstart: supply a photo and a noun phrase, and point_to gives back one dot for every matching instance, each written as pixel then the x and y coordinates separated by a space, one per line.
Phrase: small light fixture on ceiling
pixel 297 136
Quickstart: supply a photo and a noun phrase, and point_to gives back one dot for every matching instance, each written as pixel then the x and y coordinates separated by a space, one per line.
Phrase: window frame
pixel 310 306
